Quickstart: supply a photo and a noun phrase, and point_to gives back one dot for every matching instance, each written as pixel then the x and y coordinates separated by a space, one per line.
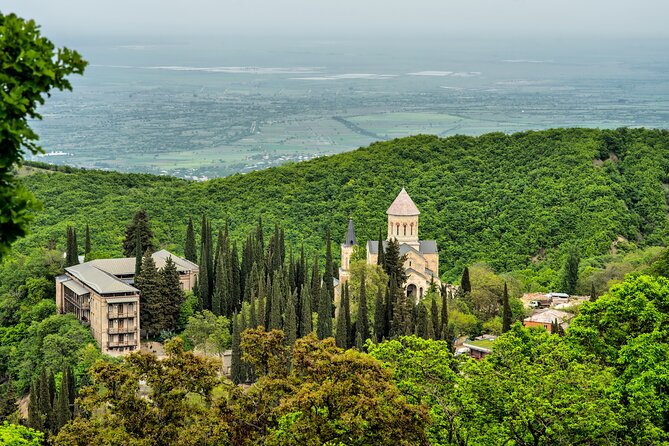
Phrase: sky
pixel 486 18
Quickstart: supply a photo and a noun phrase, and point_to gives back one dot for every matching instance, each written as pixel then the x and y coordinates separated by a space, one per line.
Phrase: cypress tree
pixel 381 258
pixel 570 271
pixel 430 328
pixel 465 284
pixel 350 335
pixel 52 386
pixel 324 324
pixel 306 325
pixel 379 317
pixel 236 360
pixel 290 324
pixel 71 388
pixel 35 419
pixel 204 289
pixel 388 306
pixel 262 297
pixel 444 330
pixel 315 284
pixel 259 249
pixel 139 225
pixel 362 321
pixel 402 321
pixel 71 255
pixel 235 293
pixel 44 399
pixel 422 321
pixel 219 301
pixel 153 318
pixel 275 308
pixel 138 257
pixel 506 310
pixel 253 313
pixel 341 334
pixel 172 296
pixel 394 263
pixel 328 275
pixel 555 328
pixel 244 367
pixel 87 241
pixel 190 248
pixel 434 314
pixel 61 408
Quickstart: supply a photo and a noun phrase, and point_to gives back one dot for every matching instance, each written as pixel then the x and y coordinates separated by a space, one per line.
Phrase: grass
pixel 483 343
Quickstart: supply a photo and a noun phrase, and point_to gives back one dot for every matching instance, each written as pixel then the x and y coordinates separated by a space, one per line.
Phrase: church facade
pixel 421 256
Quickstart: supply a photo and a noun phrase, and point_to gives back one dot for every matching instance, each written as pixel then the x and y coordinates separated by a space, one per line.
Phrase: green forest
pixel 507 200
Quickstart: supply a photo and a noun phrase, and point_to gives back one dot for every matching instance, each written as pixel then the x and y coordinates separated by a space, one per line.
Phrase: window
pixel 405 230
pixel 398 229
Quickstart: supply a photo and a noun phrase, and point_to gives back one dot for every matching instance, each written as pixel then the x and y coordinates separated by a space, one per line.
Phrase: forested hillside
pixel 503 199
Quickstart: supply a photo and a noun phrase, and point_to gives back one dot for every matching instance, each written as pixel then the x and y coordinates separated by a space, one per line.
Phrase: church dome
pixel 403 205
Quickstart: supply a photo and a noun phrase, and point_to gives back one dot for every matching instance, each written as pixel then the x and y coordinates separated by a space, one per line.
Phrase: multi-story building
pixel 100 294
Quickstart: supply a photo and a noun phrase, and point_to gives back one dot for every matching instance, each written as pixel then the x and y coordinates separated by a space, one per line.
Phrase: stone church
pixel 422 257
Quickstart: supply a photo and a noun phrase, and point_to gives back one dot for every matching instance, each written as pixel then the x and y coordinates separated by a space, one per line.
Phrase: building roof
pixel 403 205
pixel 99 280
pixel 425 247
pixel 126 266
pixel 548 316
pixel 428 246
pixel 160 257
pixel 101 274
pixel 350 234
pixel 75 287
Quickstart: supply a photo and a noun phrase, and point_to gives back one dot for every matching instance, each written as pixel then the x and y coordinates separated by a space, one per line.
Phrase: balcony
pixel 126 343
pixel 122 315
pixel 127 329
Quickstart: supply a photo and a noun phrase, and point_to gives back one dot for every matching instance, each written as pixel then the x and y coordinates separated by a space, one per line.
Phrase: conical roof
pixel 403 205
pixel 350 234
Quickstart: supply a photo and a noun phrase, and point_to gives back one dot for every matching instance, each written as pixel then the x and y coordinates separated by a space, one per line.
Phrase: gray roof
pixel 99 280
pixel 426 247
pixel 76 288
pixel 126 266
pixel 350 234
pixel 403 205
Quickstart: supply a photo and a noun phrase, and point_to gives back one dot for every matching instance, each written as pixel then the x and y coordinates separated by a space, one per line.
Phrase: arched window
pixel 405 229
pixel 397 229
pixel 411 228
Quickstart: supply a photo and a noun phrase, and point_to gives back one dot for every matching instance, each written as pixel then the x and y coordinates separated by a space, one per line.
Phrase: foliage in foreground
pixel 30 67
pixel 318 395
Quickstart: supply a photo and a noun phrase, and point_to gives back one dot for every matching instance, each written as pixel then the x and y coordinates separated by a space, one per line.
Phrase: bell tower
pixel 346 252
pixel 403 220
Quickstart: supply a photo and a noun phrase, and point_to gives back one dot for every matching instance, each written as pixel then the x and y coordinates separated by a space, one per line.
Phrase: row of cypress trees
pixel 72 247
pixel 51 407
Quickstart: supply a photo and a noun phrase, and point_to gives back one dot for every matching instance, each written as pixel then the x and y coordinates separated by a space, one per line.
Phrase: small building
pixel 100 293
pixel 545 319
pixel 479 348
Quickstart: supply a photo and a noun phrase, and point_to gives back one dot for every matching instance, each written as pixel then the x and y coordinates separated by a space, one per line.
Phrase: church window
pixel 405 230
pixel 397 231
pixel 411 228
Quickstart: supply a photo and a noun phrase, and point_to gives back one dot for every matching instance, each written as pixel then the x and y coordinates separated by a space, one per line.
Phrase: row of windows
pixel 397 228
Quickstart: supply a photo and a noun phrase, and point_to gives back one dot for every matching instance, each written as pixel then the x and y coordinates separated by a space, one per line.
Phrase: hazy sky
pixel 302 17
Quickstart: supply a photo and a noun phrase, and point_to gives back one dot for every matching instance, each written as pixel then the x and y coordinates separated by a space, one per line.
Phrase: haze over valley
pixel 197 108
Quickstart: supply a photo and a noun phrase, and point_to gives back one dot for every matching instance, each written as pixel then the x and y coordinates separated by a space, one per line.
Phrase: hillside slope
pixel 504 199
